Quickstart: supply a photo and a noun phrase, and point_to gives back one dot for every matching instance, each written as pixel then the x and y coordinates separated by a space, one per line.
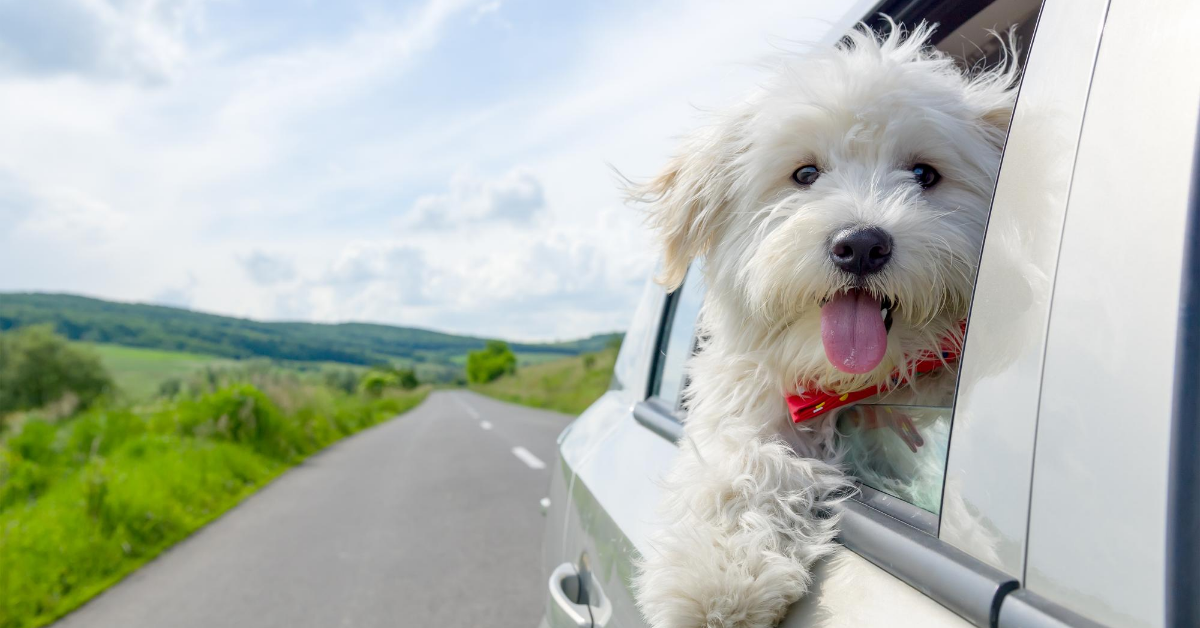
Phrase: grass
pixel 523 358
pixel 85 501
pixel 567 385
pixel 140 372
pixel 530 359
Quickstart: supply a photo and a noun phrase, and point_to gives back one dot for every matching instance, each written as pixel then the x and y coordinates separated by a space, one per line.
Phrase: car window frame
pixel 661 342
pixel 662 416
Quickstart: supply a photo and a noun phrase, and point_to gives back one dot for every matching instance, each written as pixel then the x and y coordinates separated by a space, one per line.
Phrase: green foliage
pixel 85 501
pixel 177 330
pixel 568 385
pixel 494 361
pixel 342 379
pixel 170 388
pixel 375 382
pixel 38 367
pixel 240 414
pixel 383 377
pixel 145 373
pixel 407 378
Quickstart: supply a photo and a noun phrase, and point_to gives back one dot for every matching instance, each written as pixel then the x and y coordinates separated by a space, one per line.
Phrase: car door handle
pixel 564 610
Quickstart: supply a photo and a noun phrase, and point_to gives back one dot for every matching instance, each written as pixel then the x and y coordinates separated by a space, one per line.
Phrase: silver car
pixel 1071 487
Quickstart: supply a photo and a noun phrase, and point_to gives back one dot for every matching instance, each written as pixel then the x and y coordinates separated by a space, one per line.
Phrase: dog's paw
pixel 688 588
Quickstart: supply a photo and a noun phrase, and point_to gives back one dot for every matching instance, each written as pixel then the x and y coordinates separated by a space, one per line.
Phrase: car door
pixel 1112 530
pixel 578 573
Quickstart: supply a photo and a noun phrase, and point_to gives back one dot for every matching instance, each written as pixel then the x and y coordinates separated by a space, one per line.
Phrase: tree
pixel 496 359
pixel 407 378
pixel 39 367
pixel 386 376
pixel 376 381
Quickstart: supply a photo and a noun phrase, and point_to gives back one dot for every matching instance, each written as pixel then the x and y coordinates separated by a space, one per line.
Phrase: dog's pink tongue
pixel 853 332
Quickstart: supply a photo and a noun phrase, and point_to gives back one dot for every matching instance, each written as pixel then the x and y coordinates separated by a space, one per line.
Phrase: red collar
pixel 810 405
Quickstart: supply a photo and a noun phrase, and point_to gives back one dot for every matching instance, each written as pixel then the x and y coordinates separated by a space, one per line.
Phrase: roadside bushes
pixel 495 360
pixel 39 367
pixel 568 385
pixel 381 378
pixel 242 414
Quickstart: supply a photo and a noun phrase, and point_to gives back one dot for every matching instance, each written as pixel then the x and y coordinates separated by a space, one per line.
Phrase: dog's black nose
pixel 861 250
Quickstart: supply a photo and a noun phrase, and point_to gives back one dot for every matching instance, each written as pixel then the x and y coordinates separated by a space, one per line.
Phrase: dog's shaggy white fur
pixel 748 500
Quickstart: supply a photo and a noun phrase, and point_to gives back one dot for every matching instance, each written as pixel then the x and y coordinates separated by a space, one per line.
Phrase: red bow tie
pixel 810 405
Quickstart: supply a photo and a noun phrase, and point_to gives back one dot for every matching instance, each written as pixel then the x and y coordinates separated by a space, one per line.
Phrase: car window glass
pixel 679 337
pixel 638 340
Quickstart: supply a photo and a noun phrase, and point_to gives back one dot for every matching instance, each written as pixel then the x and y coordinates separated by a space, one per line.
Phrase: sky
pixel 446 164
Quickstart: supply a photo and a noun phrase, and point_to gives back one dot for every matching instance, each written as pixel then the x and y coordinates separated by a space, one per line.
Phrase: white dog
pixel 839 212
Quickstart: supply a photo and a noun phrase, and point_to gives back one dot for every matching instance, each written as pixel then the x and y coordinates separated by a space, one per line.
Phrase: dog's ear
pixel 998 116
pixel 992 101
pixel 993 93
pixel 685 203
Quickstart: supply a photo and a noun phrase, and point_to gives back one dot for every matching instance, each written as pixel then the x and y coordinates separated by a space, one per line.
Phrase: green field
pixel 140 372
pixel 530 359
pixel 567 385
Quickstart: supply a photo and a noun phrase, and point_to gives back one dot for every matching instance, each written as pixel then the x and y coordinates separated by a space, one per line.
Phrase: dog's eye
pixel 925 175
pixel 806 175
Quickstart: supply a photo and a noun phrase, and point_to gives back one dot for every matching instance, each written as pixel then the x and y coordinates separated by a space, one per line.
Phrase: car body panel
pixel 849 591
pixel 995 416
pixel 631 456
pixel 1097 539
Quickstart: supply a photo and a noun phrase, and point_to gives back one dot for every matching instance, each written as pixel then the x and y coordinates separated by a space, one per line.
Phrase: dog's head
pixel 840 210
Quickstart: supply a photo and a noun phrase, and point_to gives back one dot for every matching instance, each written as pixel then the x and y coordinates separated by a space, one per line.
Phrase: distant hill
pixel 175 329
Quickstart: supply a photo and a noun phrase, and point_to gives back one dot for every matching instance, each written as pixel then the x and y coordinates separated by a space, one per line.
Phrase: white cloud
pixel 70 216
pixel 370 267
pixel 516 197
pixel 528 285
pixel 486 9
pixel 266 270
pixel 178 295
pixel 126 39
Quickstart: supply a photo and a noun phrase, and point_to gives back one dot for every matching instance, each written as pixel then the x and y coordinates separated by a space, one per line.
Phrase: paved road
pixel 430 520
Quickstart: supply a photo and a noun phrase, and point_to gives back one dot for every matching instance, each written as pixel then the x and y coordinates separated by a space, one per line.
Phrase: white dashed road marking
pixel 533 461
pixel 471 411
pixel 487 425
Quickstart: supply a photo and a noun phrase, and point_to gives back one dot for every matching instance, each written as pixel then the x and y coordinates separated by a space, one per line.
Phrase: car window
pixel 898 449
pixel 678 338
pixel 638 340
pixel 888 445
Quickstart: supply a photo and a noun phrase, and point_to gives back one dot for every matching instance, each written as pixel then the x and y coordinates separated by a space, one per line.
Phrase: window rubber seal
pixel 966 586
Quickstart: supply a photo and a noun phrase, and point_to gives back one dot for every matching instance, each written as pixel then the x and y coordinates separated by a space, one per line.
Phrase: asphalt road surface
pixel 430 520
